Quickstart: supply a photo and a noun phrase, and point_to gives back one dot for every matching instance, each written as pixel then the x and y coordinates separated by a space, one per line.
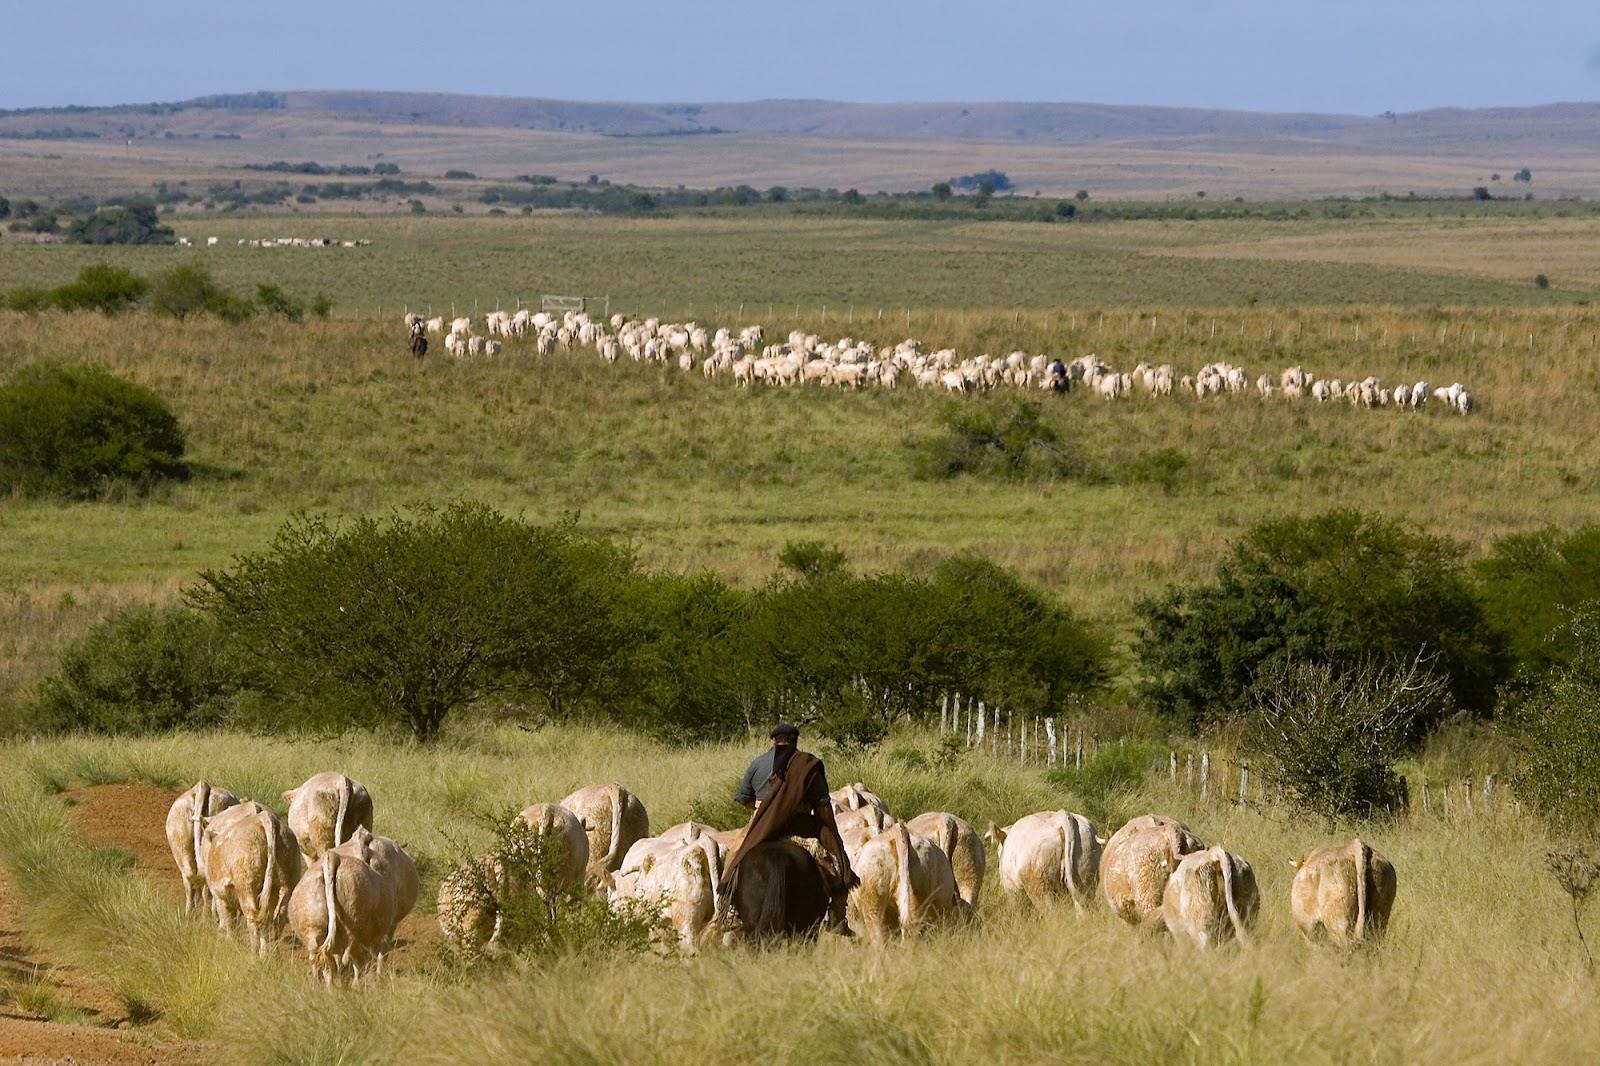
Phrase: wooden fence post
pixel 1425 796
pixel 994 732
pixel 1466 791
pixel 1188 770
pixel 1205 774
pixel 1488 789
pixel 1050 738
pixel 1172 767
pixel 1077 758
pixel 944 711
pixel 983 717
pixel 1244 783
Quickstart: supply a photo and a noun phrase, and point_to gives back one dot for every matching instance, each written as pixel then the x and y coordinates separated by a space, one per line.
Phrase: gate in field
pixel 552 302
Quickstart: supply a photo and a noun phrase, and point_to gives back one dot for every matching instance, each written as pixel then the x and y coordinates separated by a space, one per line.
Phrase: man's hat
pixel 785 730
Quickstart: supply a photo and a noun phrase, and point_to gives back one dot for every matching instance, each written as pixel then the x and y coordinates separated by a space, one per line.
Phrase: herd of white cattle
pixel 282 242
pixel 806 359
pixel 343 891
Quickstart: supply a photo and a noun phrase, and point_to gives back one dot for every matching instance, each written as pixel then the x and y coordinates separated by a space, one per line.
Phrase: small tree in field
pixel 1330 738
pixel 941 191
pixel 409 618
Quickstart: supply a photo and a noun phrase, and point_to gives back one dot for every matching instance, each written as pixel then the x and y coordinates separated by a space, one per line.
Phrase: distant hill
pixel 1045 148
pixel 1448 130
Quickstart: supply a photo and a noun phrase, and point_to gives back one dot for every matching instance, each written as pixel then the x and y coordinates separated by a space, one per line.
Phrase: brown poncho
pixel 790 809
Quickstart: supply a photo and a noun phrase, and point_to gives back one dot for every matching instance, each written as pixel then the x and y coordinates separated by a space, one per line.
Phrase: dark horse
pixel 780 892
pixel 419 340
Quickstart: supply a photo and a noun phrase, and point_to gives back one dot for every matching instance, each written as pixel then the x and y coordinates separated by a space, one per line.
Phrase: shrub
pixel 1117 770
pixel 1530 583
pixel 142 670
pixel 274 301
pixel 321 306
pixel 1008 440
pixel 189 290
pixel 1557 731
pixel 1343 587
pixel 68 430
pixel 99 287
pixel 415 617
pixel 29 299
pixel 1329 737
pixel 515 880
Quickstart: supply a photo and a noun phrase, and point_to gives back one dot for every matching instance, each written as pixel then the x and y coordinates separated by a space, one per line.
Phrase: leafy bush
pixel 98 287
pixel 1342 588
pixel 1557 730
pixel 516 880
pixel 413 618
pixel 29 299
pixel 1531 582
pixel 141 670
pixel 1117 769
pixel 69 430
pixel 1004 440
pixel 189 290
pixel 1329 737
pixel 886 645
pixel 274 301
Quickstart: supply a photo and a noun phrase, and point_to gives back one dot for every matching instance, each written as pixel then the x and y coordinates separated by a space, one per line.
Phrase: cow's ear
pixel 288 795
pixel 1298 861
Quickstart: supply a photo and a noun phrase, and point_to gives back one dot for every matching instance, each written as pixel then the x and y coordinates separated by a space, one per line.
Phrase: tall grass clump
pixel 92 910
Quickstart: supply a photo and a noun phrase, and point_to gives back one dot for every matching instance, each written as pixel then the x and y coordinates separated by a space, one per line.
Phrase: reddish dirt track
pixel 106 1040
pixel 132 817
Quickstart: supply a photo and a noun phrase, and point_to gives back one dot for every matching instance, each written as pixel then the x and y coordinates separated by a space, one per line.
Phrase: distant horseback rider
pixel 419 339
pixel 788 788
pixel 1060 380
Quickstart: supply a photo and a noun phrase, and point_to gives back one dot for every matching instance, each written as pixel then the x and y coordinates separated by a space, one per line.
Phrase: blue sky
pixel 1350 56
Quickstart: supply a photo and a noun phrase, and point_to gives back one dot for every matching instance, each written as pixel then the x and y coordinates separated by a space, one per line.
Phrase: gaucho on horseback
pixel 789 790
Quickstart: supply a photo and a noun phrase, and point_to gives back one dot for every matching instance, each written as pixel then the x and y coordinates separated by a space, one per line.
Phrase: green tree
pixel 777 194
pixel 1066 209
pixel 1343 588
pixel 409 618
pixel 1081 195
pixel 851 196
pixel 134 223
pixel 984 194
pixel 941 191
pixel 70 430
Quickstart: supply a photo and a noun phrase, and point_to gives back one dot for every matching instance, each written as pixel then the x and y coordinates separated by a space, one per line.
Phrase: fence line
pixel 1041 740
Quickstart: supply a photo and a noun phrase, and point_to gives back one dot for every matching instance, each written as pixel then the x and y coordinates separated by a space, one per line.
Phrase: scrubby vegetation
pixel 75 430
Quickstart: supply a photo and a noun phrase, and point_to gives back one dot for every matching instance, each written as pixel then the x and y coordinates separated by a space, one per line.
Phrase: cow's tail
pixel 197 818
pixel 330 874
pixel 1227 893
pixel 344 808
pixel 618 796
pixel 265 904
pixel 1069 868
pixel 708 847
pixel 1363 863
pixel 900 841
pixel 948 838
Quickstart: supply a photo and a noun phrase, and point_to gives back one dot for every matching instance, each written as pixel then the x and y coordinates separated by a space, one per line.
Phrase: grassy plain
pixel 1016 986
pixel 335 416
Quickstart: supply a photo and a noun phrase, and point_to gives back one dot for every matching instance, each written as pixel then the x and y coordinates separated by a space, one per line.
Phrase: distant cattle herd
pixel 343 891
pixel 806 359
